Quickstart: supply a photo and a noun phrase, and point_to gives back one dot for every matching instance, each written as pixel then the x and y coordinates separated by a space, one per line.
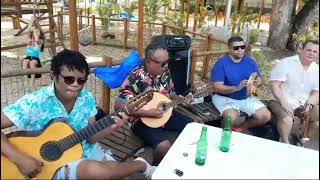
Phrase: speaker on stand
pixel 178 47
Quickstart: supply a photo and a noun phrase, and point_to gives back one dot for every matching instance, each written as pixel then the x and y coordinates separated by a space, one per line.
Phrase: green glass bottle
pixel 226 136
pixel 202 144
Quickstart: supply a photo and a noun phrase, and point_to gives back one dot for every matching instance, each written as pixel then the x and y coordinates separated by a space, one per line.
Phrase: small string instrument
pixel 251 88
pixel 304 116
pixel 163 102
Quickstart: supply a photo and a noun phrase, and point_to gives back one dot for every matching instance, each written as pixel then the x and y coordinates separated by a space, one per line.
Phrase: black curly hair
pixel 234 39
pixel 71 59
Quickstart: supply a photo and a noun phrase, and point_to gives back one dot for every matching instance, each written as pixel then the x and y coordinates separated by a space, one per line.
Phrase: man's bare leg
pixel 284 127
pixel 89 169
pixel 160 151
pixel 261 117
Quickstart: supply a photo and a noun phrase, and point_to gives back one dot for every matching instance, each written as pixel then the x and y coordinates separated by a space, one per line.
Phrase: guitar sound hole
pixel 164 107
pixel 50 151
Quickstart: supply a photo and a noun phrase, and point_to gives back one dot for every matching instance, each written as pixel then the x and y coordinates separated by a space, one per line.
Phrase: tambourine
pixel 251 88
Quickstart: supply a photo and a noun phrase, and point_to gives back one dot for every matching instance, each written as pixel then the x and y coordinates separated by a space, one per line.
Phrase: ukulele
pixel 164 103
pixel 58 144
pixel 251 88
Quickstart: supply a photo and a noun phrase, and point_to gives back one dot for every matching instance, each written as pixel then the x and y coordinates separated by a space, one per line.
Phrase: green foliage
pixel 254 36
pixel 131 8
pixel 245 19
pixel 219 7
pixel 203 13
pixel 311 34
pixel 192 7
pixel 175 18
pixel 105 8
pixel 263 64
pixel 151 10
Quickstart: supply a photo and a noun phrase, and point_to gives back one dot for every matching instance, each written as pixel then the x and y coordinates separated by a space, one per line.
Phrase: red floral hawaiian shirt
pixel 139 80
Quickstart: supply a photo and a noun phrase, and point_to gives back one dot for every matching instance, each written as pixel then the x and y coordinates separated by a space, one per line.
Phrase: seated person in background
pixel 295 82
pixel 230 75
pixel 66 98
pixel 153 74
pixel 35 46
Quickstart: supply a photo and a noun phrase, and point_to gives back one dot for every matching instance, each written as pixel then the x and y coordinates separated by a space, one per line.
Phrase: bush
pixel 254 36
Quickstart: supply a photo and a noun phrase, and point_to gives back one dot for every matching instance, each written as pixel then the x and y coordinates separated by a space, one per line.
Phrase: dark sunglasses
pixel 70 79
pixel 238 47
pixel 162 64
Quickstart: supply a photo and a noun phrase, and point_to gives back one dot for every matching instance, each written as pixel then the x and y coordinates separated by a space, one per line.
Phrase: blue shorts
pixel 154 136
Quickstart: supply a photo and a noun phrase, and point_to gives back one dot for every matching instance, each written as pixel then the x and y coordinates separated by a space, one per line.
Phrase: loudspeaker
pixel 178 47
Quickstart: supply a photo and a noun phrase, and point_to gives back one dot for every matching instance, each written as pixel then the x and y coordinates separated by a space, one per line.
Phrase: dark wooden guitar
pixel 58 144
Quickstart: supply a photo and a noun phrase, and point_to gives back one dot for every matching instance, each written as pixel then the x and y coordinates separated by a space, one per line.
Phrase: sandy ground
pixel 10 59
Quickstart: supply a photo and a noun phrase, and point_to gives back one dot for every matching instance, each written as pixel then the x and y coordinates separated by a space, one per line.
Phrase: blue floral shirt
pixel 35 110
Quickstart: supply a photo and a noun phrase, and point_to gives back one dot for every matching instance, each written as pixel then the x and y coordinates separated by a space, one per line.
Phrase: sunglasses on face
pixel 238 47
pixel 162 64
pixel 70 79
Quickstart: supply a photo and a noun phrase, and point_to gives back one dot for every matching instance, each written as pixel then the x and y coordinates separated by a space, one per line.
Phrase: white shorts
pixel 249 105
pixel 99 154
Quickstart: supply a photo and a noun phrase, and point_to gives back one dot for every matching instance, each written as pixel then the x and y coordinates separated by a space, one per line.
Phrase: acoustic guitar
pixel 163 102
pixel 58 144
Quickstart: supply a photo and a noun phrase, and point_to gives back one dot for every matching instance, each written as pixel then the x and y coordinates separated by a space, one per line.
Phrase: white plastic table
pixel 250 157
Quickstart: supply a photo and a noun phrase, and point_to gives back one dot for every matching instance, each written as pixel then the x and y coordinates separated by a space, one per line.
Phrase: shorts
pixel 99 154
pixel 249 105
pixel 154 136
pixel 280 112
pixel 38 65
pixel 34 58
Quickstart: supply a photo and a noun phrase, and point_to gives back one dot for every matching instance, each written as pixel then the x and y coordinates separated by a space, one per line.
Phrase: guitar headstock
pixel 137 102
pixel 202 90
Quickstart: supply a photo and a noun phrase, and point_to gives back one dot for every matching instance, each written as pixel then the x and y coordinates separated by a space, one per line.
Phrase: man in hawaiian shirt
pixel 154 74
pixel 66 98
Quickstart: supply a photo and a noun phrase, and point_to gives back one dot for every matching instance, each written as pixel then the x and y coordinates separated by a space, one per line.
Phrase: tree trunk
pixel 303 22
pixel 281 18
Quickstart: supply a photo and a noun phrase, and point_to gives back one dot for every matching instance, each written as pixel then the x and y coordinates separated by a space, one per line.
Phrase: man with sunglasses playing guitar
pixel 66 98
pixel 230 76
pixel 155 75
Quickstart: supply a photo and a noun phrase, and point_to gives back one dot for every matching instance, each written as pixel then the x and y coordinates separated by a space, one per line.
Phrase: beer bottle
pixel 202 144
pixel 226 136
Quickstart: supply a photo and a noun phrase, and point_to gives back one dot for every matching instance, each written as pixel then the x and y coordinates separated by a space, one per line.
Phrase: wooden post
pixel 105 90
pixel 225 13
pixel 140 28
pixel 17 5
pixel 195 17
pixel 206 61
pixel 183 31
pixel 192 66
pixel 164 28
pixel 60 24
pixel 51 27
pixel 94 37
pixel 80 19
pixel 88 14
pixel 182 10
pixel 188 13
pixel 125 37
pixel 260 12
pixel 73 26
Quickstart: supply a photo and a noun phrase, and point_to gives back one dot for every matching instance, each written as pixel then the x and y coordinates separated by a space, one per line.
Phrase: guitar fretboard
pixel 75 138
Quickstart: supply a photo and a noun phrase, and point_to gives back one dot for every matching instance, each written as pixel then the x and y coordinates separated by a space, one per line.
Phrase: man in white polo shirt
pixel 295 82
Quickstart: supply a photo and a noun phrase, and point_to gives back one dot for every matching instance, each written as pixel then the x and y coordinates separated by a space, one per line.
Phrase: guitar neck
pixel 92 129
pixel 180 101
